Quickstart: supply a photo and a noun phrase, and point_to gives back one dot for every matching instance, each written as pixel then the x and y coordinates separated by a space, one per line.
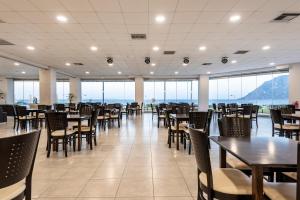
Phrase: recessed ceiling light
pixel 266 47
pixel 176 72
pixel 119 72
pixel 30 48
pixel 155 48
pixel 153 64
pixel 87 72
pixel 62 18
pixel 233 61
pixel 202 48
pixel 184 64
pixel 151 73
pixel 94 48
pixel 23 72
pixel 272 63
pixel 68 64
pixel 16 64
pixel 235 18
pixel 208 72
pixel 110 64
pixel 160 18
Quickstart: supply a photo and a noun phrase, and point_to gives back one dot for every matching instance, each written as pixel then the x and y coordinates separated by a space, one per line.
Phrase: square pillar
pixel 75 89
pixel 203 92
pixel 294 83
pixel 47 79
pixel 6 91
pixel 139 89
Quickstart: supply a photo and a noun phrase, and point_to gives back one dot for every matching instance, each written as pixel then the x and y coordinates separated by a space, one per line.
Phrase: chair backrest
pixel 86 109
pixel 255 109
pixel 234 127
pixel 9 109
pixel 59 107
pixel 200 145
pixel 198 120
pixel 209 117
pixel 56 121
pixel 21 111
pixel 17 157
pixel 276 116
pixel 214 106
pixel 72 106
pixel 183 109
pixel 247 109
pixel 93 122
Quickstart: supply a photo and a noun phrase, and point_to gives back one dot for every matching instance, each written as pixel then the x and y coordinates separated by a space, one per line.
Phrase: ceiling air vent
pixel 206 63
pixel 241 52
pixel 286 17
pixel 169 52
pixel 138 36
pixel 78 64
pixel 4 42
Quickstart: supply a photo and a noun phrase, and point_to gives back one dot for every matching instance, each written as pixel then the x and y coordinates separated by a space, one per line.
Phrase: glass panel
pixel 235 89
pixel 62 91
pixel 223 90
pixel 149 92
pixel 249 89
pixel 195 92
pixel 92 91
pixel 19 93
pixel 264 86
pixel 213 91
pixel 129 88
pixel 159 91
pixel 183 92
pixel 25 91
pixel 171 91
pixel 119 92
pixel 280 89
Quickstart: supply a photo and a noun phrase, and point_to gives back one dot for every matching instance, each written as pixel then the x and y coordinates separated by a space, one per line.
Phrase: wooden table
pixel 291 116
pixel 258 153
pixel 36 111
pixel 179 118
pixel 79 119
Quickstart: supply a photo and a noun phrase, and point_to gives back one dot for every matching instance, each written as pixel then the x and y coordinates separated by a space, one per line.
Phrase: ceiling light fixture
pixel 119 72
pixel 176 72
pixel 61 18
pixel 235 18
pixel 87 72
pixel 151 73
pixel 184 64
pixel 153 64
pixel 272 63
pixel 208 72
pixel 266 47
pixel 23 72
pixel 68 64
pixel 202 48
pixel 155 48
pixel 233 61
pixel 110 64
pixel 160 18
pixel 16 64
pixel 31 48
pixel 94 48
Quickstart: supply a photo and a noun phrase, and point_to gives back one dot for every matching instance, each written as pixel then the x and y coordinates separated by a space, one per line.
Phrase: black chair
pixel 23 117
pixel 161 115
pixel 59 107
pixel 219 183
pixel 255 114
pixel 3 115
pixel 153 111
pixel 57 129
pixel 284 191
pixel 172 129
pixel 85 110
pixel 17 162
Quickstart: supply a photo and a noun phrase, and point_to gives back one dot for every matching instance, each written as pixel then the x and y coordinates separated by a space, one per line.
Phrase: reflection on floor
pixel 133 162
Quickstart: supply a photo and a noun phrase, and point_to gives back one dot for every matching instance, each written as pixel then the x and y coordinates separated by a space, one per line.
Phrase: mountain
pixel 280 89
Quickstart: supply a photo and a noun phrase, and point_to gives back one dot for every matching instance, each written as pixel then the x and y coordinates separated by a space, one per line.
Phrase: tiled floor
pixel 131 162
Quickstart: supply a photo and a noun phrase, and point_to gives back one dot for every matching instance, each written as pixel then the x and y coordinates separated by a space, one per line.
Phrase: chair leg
pixel 169 138
pixel 74 142
pixel 48 147
pixel 190 147
pixel 65 146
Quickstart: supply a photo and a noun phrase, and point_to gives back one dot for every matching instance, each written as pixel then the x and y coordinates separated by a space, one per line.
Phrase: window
pixel 92 91
pixel 119 92
pixel 25 91
pixel 171 91
pixel 262 89
pixel 62 91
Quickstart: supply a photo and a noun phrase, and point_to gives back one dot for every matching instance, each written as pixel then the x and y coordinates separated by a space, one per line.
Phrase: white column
pixel 139 89
pixel 7 91
pixel 75 89
pixel 294 83
pixel 203 92
pixel 47 79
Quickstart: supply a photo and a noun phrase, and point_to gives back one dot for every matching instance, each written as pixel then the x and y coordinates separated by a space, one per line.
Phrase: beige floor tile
pixel 100 188
pixel 170 187
pixel 171 171
pixel 173 198
pixel 136 188
pixel 138 171
pixel 108 172
pixel 64 188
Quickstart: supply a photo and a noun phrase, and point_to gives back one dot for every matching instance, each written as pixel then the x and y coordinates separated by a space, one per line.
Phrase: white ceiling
pixel 108 24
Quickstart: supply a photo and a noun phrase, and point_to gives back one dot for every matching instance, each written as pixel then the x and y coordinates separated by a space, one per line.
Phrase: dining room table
pixel 293 116
pixel 259 153
pixel 35 112
pixel 78 118
pixel 178 118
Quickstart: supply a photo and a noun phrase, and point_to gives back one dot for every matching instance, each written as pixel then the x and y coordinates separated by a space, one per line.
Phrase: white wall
pixel 7 87
pixel 294 83
pixel 139 89
pixel 47 79
pixel 203 92
pixel 75 89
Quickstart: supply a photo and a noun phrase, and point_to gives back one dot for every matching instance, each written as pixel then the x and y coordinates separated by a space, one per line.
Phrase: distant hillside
pixel 280 90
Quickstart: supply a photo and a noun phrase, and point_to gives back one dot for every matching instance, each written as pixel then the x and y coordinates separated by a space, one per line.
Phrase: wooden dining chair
pixel 22 117
pixel 255 110
pixel 17 155
pixel 161 115
pixel 172 129
pixel 219 183
pixel 57 129
pixel 285 191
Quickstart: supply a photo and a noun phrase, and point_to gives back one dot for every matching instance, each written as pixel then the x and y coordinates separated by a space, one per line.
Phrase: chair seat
pixel 245 116
pixel 280 191
pixel 236 163
pixel 85 129
pixel 26 117
pixel 12 191
pixel 173 128
pixel 60 133
pixel 291 127
pixel 114 116
pixel 292 175
pixel 188 130
pixel 229 181
pixel 102 117
pixel 253 115
pixel 184 124
pixel 162 116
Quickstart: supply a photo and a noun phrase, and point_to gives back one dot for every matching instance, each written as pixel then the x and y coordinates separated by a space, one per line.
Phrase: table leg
pixel 177 134
pixel 222 158
pixel 257 182
pixel 79 135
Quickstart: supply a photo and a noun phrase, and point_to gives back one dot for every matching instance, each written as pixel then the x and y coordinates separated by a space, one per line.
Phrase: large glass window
pixel 26 91
pixel 171 90
pixel 262 89
pixel 92 91
pixel 62 91
pixel 119 92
